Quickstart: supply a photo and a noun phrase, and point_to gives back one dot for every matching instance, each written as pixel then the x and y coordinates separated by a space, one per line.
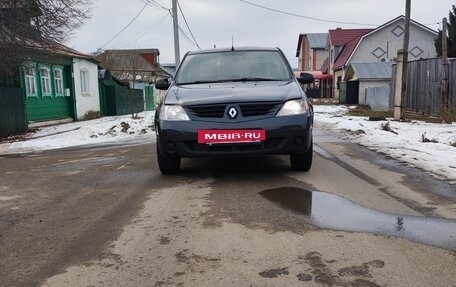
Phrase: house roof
pixel 369 71
pixel 350 47
pixel 325 66
pixel 402 17
pixel 316 41
pixel 346 52
pixel 340 37
pixel 169 68
pixel 132 64
pixel 52 47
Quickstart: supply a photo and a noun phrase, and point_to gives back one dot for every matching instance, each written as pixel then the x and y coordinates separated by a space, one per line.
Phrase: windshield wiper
pixel 194 83
pixel 204 82
pixel 252 79
pixel 245 79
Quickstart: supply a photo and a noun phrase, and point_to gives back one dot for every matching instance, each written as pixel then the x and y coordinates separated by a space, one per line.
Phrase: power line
pixel 187 37
pixel 123 29
pixel 158 4
pixel 306 17
pixel 188 27
pixel 141 34
pixel 154 4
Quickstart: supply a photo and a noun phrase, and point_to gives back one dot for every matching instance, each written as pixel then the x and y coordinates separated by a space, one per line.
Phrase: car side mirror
pixel 306 78
pixel 162 84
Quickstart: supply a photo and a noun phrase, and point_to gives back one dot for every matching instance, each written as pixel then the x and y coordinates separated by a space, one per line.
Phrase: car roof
pixel 218 50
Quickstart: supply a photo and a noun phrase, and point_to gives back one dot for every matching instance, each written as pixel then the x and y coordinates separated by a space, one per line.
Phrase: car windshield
pixel 233 66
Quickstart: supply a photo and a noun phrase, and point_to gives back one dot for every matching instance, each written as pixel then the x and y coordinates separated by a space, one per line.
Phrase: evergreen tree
pixel 451 40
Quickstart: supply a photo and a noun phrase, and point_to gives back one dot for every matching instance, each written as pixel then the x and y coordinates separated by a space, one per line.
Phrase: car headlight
pixel 173 113
pixel 294 107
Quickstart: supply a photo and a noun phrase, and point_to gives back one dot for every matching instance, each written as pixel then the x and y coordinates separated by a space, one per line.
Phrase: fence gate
pixel 12 114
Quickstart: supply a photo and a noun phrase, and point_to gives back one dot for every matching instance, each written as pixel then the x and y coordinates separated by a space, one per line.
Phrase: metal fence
pixel 377 98
pixel 423 92
pixel 12 113
pixel 120 100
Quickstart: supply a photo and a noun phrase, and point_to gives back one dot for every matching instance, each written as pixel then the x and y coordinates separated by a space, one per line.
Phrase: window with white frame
pixel 85 87
pixel 58 81
pixel 30 81
pixel 45 81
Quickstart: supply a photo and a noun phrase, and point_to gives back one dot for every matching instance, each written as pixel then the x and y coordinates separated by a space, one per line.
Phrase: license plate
pixel 230 136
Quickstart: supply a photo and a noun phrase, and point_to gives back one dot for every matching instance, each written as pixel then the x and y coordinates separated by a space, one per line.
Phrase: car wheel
pixel 168 165
pixel 302 161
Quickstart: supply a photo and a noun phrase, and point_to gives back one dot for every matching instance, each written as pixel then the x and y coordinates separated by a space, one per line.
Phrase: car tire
pixel 302 161
pixel 168 165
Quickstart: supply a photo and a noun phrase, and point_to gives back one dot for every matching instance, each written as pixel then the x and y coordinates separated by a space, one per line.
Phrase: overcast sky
pixel 215 22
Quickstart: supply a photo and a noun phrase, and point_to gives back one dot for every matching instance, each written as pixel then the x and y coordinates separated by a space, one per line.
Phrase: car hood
pixel 232 92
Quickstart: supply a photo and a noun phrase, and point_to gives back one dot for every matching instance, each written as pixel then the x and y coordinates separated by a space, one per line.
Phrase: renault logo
pixel 232 113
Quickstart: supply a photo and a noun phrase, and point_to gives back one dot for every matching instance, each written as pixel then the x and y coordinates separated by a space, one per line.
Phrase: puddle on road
pixel 333 212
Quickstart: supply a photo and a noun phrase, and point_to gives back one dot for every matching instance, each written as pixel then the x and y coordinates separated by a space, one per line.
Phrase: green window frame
pixel 59 87
pixel 45 81
pixel 31 85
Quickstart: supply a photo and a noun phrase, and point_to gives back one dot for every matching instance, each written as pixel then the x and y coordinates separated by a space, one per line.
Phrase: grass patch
pixel 365 111
pixel 448 115
pixel 371 114
pixel 323 101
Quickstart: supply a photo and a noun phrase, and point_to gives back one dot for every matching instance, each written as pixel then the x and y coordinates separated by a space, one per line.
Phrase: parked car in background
pixel 234 102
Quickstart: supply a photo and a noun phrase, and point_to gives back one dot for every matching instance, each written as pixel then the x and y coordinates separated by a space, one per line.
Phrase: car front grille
pixel 206 111
pixel 264 146
pixel 247 110
pixel 258 109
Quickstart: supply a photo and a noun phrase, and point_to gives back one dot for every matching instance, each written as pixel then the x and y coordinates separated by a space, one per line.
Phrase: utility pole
pixel 405 57
pixel 400 76
pixel 444 65
pixel 176 34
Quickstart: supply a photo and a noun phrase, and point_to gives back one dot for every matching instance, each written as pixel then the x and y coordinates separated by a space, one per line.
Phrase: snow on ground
pixel 103 130
pixel 400 140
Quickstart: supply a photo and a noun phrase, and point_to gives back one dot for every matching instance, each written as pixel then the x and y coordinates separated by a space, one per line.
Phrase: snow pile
pixel 103 130
pixel 431 147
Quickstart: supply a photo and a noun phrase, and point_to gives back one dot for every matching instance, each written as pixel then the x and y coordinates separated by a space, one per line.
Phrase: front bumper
pixel 284 135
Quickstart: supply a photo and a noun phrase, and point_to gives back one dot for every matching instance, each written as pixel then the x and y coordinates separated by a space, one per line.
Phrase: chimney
pixel 150 58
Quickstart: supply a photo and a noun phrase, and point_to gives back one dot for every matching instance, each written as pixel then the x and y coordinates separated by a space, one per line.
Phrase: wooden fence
pixel 423 92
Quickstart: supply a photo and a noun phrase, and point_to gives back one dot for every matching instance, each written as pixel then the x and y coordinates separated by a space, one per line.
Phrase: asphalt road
pixel 105 216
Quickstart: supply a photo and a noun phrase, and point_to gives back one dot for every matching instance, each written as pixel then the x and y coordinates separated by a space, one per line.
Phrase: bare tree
pixel 29 24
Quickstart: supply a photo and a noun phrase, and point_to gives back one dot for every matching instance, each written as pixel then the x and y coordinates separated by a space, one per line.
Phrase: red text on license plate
pixel 230 136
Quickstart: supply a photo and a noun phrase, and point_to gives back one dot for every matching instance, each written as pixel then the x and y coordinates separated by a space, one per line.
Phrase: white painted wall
pixel 363 85
pixel 386 40
pixel 89 101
